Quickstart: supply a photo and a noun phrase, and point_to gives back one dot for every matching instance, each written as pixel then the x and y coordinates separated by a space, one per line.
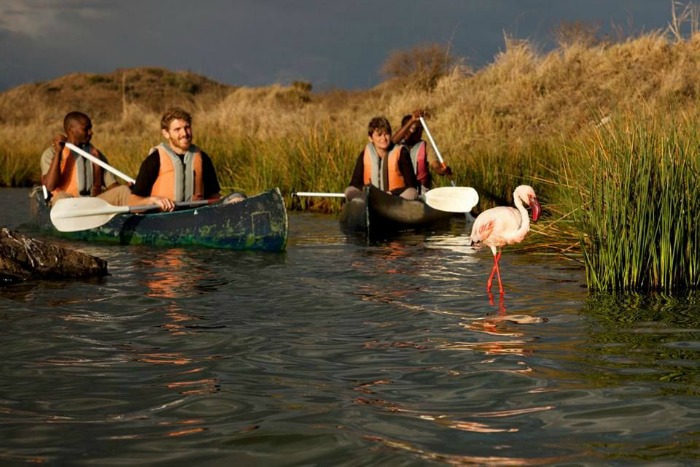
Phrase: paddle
pixel 452 198
pixel 75 214
pixel 432 142
pixel 99 162
pixel 439 156
pixel 447 198
pixel 316 193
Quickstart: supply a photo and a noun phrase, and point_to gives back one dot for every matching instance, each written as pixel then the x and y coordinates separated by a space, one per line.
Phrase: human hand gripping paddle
pixel 454 199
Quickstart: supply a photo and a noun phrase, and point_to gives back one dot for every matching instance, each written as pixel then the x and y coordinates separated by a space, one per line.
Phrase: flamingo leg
pixel 493 271
pixel 501 303
pixel 498 271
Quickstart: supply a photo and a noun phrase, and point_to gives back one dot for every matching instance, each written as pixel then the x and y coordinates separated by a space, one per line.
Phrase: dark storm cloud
pixel 259 42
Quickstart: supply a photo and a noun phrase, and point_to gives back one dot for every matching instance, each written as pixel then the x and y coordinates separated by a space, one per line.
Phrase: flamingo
pixel 504 225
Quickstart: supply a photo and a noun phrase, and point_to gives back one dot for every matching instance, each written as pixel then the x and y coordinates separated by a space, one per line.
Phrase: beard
pixel 182 144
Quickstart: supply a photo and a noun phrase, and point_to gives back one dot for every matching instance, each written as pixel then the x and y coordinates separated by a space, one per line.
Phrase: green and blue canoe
pixel 257 223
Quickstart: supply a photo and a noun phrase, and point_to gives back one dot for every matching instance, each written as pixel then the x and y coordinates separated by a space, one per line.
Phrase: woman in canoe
pixel 383 164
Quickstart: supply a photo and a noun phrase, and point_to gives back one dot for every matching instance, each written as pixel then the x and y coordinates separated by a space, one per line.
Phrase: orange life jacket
pixel 178 179
pixel 374 174
pixel 78 175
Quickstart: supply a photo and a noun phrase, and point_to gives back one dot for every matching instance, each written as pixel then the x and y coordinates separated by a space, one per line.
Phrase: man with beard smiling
pixel 176 170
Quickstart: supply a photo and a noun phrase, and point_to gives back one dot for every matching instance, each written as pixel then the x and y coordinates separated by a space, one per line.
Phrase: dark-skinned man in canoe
pixel 67 174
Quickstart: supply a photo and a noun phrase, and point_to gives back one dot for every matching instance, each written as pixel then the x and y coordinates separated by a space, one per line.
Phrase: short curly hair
pixel 175 113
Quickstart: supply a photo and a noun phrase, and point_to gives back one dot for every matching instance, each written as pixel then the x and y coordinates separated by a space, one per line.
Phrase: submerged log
pixel 23 258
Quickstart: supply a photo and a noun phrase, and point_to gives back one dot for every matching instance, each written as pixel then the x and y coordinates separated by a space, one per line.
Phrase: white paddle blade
pixel 74 214
pixel 452 198
pixel 76 224
pixel 84 206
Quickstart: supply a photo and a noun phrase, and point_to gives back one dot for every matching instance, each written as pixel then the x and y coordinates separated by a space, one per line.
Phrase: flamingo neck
pixel 524 216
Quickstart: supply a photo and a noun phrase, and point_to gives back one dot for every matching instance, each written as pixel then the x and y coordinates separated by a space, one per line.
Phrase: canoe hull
pixel 257 223
pixel 379 213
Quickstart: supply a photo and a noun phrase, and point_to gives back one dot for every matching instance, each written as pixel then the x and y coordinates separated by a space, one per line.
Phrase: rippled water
pixel 342 353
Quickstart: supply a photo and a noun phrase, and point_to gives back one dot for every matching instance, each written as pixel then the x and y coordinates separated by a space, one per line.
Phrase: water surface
pixel 339 352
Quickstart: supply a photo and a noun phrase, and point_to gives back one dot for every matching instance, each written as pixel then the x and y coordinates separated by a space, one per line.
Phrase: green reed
pixel 319 158
pixel 20 153
pixel 16 171
pixel 639 207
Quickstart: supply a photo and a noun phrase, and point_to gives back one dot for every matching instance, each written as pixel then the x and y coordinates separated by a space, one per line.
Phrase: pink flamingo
pixel 503 225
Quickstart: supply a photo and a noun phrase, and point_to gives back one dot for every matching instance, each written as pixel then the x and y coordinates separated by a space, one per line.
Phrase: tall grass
pixel 20 156
pixel 620 198
pixel 317 157
pixel 639 197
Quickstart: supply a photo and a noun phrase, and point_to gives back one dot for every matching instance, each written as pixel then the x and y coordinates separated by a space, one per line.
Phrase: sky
pixel 328 43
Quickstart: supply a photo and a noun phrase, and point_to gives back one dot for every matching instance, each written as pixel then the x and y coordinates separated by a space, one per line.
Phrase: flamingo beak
pixel 536 208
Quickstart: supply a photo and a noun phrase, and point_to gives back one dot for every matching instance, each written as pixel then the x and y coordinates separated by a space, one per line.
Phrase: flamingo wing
pixel 495 225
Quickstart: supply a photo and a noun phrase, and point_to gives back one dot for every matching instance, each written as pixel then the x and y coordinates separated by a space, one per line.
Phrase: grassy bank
pixel 636 205
pixel 604 131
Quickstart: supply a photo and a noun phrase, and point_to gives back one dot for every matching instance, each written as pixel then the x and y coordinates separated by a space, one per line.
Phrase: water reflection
pixel 397 259
pixel 173 275
pixel 502 326
pixel 646 338
pixel 344 353
pixel 461 460
pixel 459 244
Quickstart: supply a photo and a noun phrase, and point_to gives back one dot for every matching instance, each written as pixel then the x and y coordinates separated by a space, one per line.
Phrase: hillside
pixel 106 96
pixel 491 124
pixel 521 96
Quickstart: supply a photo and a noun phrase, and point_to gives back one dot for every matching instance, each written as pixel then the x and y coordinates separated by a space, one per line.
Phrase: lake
pixel 339 352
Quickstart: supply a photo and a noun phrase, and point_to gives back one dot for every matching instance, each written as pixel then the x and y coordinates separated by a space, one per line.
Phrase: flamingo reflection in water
pixel 504 225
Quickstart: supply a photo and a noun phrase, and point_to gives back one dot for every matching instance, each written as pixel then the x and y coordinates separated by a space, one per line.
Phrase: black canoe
pixel 256 223
pixel 379 213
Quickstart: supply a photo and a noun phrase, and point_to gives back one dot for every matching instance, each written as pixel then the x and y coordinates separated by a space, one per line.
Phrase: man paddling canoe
pixel 176 170
pixel 67 174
